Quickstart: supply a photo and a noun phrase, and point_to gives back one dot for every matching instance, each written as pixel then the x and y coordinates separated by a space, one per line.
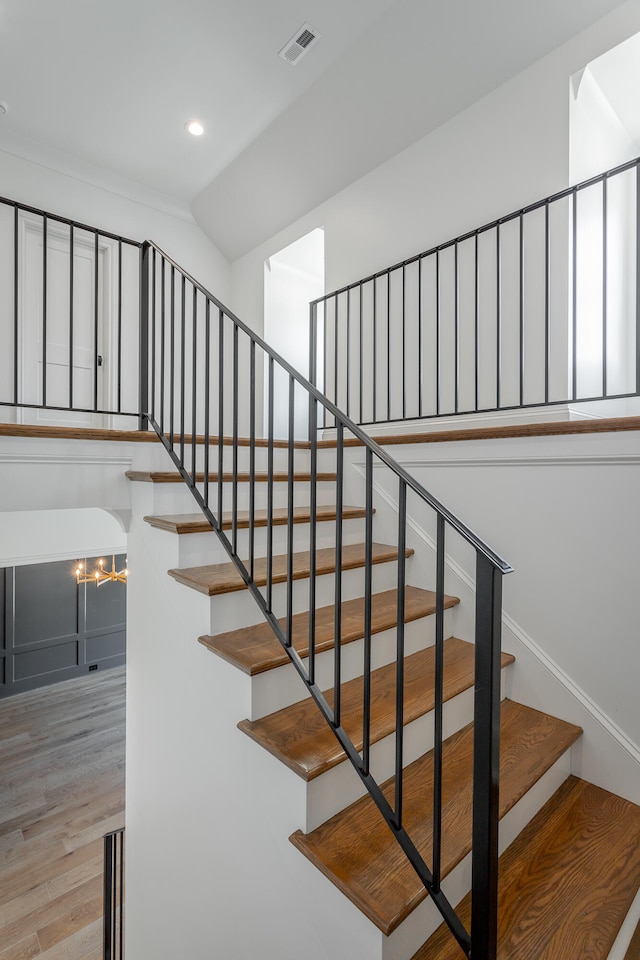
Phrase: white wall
pixel 562 511
pixel 39 536
pixel 293 277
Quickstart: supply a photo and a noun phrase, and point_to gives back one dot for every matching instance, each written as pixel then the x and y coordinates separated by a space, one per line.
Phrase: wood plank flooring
pixel 61 788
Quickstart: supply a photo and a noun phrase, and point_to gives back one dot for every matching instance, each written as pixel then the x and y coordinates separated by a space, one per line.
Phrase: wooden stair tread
pixel 566 882
pixel 360 855
pixel 301 738
pixel 255 649
pixel 198 523
pixel 261 476
pixel 214 579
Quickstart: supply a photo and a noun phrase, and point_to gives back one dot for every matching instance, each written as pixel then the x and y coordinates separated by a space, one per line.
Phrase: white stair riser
pixel 425 919
pixel 326 459
pixel 337 788
pixel 177 497
pixel 200 548
pixel 275 689
pixel 230 611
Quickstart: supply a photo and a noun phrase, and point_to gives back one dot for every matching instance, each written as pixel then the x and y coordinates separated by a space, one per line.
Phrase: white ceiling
pixel 110 85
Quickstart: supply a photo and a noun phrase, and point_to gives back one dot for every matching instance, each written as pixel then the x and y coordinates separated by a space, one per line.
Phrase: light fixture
pixel 194 127
pixel 101 575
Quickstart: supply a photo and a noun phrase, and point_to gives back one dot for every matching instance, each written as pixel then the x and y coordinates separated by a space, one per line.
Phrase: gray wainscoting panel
pixel 53 629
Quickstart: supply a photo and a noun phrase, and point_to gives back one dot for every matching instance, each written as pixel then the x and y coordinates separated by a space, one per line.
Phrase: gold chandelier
pixel 101 575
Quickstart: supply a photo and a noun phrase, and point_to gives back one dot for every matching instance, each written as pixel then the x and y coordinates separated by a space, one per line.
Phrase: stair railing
pixel 536 308
pixel 113 896
pixel 70 303
pixel 207 376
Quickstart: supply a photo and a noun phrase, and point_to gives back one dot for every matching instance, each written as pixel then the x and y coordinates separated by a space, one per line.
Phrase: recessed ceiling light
pixel 195 128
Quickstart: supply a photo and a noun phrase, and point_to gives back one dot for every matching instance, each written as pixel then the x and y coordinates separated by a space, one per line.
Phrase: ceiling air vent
pixel 302 40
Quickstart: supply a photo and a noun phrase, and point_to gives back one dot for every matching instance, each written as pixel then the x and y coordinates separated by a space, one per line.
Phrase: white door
pixel 63 374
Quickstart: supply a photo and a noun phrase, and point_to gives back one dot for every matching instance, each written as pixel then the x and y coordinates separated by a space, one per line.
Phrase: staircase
pixel 570 858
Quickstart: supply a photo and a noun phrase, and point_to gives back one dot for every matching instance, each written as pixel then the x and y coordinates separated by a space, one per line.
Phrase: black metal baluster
pixel 152 404
pixel 121 897
pixel 438 702
pixel 388 346
pixel 194 388
pixel 290 501
pixel 361 352
pixel 337 634
pixel 109 905
pixel 348 350
pixel 207 397
pixel 476 321
pixel 402 533
pixel 456 326
pixel 522 295
pixel 368 579
pixel 16 303
pixel 313 500
pixel 96 302
pixel 252 457
pixel 172 361
pixel 270 486
pixel 486 760
pixel 547 300
pixel 325 327
pixel 335 350
pixel 637 278
pixel 574 319
pixel 234 490
pixel 374 379
pixel 420 370
pixel 143 340
pixel 437 357
pixel 162 344
pixel 498 316
pixel 119 353
pixel 605 182
pixel 183 327
pixel 44 311
pixel 71 331
pixel 221 366
pixel 404 344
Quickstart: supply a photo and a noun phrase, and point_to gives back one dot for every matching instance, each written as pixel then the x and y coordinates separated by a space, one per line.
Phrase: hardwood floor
pixel 61 788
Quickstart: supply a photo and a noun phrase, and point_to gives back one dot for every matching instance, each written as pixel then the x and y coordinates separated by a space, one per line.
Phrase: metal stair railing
pixel 204 373
pixel 537 308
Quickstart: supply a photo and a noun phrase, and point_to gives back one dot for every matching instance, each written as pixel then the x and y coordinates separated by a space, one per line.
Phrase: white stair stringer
pixel 224 848
pixel 243 803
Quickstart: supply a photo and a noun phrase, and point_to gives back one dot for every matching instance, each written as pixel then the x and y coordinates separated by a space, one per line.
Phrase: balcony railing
pixel 540 307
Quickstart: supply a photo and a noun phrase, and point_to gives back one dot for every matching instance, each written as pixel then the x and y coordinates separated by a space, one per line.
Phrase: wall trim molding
pixel 65 555
pixel 604 460
pixel 74 459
